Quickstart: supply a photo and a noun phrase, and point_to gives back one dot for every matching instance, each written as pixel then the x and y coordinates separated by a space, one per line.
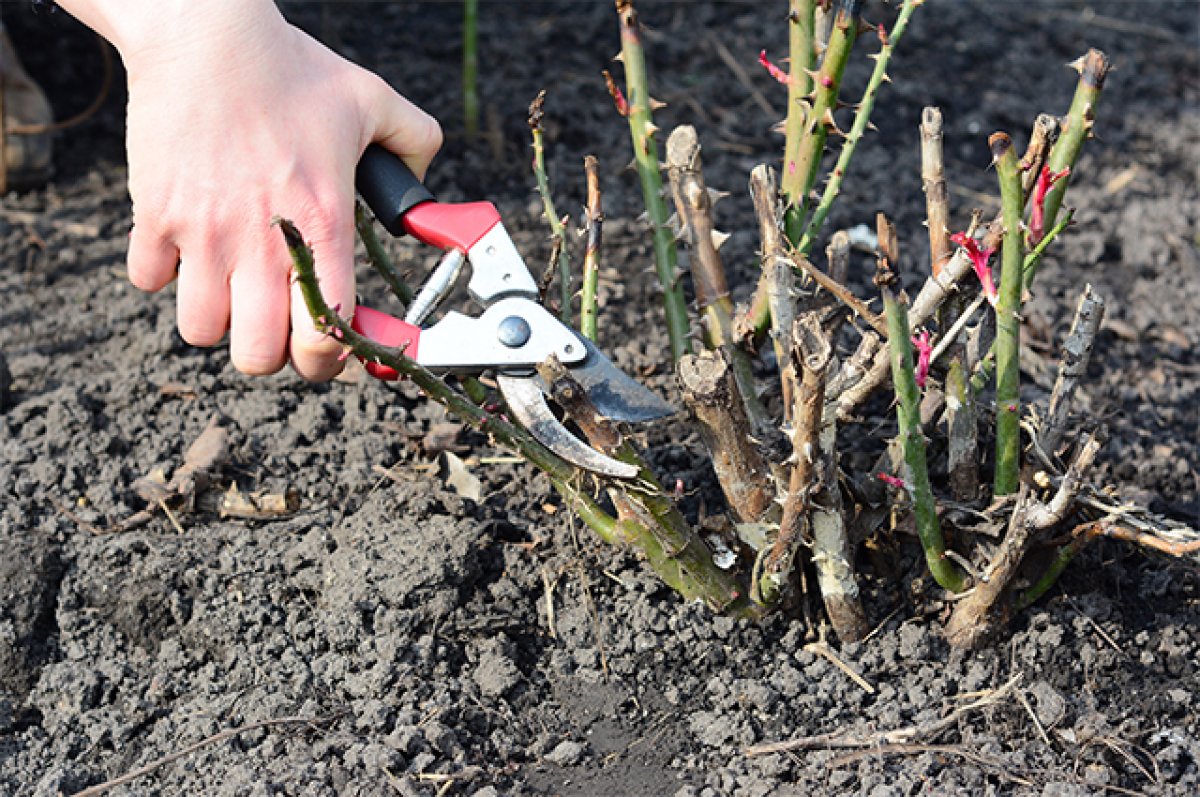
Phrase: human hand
pixel 235 117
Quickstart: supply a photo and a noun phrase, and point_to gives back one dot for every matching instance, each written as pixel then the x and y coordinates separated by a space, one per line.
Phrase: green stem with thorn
pixel 862 119
pixel 1077 126
pixel 912 439
pixel 645 155
pixel 802 54
pixel 1008 321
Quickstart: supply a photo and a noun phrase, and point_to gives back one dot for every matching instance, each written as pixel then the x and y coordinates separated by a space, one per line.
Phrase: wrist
pixel 154 31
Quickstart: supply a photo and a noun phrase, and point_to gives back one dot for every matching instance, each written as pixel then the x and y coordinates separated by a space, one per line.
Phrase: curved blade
pixel 613 392
pixel 527 403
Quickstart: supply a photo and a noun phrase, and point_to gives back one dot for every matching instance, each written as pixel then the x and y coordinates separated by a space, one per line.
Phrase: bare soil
pixel 438 645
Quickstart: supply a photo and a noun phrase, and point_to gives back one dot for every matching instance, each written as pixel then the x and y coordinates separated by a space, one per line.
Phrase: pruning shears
pixel 511 336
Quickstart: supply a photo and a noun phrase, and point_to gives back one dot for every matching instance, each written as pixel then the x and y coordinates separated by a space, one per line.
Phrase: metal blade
pixel 613 392
pixel 528 405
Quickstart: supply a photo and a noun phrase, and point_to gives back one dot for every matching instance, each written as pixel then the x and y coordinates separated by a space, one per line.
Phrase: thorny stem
pixel 380 260
pixel 908 419
pixel 327 320
pixel 814 352
pixel 800 174
pixel 558 231
pixel 802 52
pixel 1077 126
pixel 1077 350
pixel 591 257
pixel 1008 321
pixel 645 156
pixel 862 121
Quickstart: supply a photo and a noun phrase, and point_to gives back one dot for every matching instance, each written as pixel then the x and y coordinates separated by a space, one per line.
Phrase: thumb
pixel 401 127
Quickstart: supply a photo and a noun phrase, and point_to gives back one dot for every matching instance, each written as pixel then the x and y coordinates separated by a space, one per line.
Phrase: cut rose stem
pixel 937 197
pixel 709 390
pixel 558 230
pixel 591 257
pixel 777 281
pixel 908 416
pixel 649 519
pixel 693 205
pixel 645 155
pixel 1008 321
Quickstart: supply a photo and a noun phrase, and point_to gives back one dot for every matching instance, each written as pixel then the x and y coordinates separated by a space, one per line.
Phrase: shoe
pixel 27 116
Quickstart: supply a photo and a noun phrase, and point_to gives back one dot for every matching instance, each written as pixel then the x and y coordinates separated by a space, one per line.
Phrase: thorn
pixel 872 127
pixel 780 127
pixel 1077 64
pixel 715 196
pixel 651 129
pixel 656 104
pixel 619 58
pixel 887 78
pixel 644 217
pixel 831 125
pixel 631 166
pixel 719 238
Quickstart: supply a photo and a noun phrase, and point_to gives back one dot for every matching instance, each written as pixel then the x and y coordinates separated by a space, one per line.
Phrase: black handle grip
pixel 389 187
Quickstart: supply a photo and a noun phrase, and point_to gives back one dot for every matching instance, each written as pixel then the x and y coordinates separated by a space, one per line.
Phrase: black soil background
pixel 413 627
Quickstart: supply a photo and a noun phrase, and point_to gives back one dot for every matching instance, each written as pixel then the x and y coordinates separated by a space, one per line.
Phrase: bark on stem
pixel 1072 367
pixel 693 204
pixel 709 390
pixel 814 353
pixel 937 198
pixel 975 617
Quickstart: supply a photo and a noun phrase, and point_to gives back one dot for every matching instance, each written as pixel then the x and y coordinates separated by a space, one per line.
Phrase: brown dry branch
pixel 813 352
pixel 1077 350
pixel 708 388
pixel 1041 140
pixel 975 617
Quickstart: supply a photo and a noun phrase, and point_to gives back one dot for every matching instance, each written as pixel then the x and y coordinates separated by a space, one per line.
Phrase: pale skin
pixel 236 117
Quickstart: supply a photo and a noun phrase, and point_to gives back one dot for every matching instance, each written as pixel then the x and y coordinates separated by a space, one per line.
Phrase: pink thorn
pixel 924 354
pixel 979 259
pixel 894 481
pixel 678 489
pixel 772 69
pixel 1037 216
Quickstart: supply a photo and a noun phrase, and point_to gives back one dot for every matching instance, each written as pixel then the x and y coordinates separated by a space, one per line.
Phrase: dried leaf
pixel 459 477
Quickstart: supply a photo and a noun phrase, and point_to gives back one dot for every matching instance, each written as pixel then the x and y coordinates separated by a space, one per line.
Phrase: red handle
pixel 451 226
pixel 388 331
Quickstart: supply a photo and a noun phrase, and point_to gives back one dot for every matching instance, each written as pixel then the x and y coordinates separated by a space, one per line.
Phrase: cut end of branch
pixel 1000 143
pixel 1092 67
pixel 536 112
